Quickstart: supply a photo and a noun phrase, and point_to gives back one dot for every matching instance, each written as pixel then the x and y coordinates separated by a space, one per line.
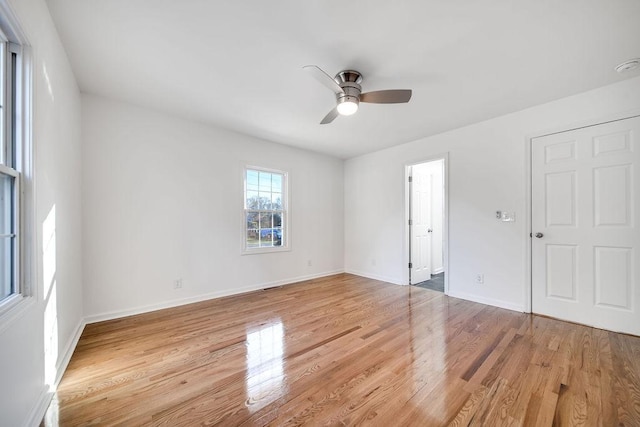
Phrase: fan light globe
pixel 347 108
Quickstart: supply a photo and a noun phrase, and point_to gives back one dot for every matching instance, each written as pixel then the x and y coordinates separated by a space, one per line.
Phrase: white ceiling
pixel 238 64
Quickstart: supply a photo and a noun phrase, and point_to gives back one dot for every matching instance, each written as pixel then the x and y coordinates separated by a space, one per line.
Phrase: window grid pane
pixel 11 152
pixel 7 261
pixel 264 209
pixel 3 141
pixel 7 236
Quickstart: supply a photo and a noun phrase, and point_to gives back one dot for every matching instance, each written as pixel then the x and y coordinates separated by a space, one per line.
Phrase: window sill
pixel 266 250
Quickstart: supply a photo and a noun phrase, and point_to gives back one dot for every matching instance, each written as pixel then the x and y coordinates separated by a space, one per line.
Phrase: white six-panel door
pixel 586 236
pixel 421 225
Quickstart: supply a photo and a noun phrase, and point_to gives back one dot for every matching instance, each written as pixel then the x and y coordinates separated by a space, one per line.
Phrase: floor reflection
pixel 265 376
pixel 428 396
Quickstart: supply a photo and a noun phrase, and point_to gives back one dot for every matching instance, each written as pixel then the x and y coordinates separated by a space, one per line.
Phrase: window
pixel 11 167
pixel 265 210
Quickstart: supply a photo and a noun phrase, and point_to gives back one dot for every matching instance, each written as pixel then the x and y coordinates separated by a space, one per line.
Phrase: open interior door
pixel 420 224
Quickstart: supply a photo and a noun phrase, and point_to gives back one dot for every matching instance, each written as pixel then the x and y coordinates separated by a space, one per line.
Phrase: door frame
pixel 445 220
pixel 528 145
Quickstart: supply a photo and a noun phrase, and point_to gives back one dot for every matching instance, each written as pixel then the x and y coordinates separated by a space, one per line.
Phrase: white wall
pixel 162 199
pixel 56 139
pixel 486 173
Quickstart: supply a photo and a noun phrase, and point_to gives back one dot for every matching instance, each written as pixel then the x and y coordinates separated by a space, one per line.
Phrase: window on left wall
pixel 12 156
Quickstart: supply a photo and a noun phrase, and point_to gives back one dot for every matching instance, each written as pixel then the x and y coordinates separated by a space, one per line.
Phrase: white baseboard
pixel 487 301
pixel 40 408
pixel 63 362
pixel 437 271
pixel 388 279
pixel 190 300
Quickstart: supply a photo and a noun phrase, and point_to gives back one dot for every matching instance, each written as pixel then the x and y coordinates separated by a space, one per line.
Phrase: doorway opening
pixel 427 225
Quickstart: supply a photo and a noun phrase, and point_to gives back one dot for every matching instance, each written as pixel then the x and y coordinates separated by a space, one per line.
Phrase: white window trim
pixel 286 214
pixel 16 304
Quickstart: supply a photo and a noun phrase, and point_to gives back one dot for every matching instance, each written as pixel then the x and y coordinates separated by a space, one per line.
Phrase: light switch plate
pixel 508 216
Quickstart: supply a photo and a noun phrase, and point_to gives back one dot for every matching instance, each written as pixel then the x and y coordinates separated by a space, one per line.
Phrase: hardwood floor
pixel 346 350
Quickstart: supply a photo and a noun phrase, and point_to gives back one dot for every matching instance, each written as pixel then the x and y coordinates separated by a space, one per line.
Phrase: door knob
pixel 539 235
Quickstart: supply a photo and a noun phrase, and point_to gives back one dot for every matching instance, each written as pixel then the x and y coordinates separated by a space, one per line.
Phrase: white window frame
pixel 286 238
pixel 14 41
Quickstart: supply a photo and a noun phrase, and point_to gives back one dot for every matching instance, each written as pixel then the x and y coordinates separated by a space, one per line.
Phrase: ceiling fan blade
pixel 393 96
pixel 330 117
pixel 323 78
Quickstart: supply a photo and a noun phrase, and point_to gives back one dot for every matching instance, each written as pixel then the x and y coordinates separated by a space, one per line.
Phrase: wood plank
pixel 346 350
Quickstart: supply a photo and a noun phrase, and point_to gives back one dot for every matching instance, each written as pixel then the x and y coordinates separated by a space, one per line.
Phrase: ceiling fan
pixel 346 86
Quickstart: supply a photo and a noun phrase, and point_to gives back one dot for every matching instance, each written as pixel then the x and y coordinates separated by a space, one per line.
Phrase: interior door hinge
pixel 410 222
pixel 410 265
pixel 410 178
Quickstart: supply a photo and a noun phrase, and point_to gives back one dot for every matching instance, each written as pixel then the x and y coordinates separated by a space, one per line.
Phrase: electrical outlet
pixel 479 278
pixel 373 262
pixel 177 284
pixel 309 263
